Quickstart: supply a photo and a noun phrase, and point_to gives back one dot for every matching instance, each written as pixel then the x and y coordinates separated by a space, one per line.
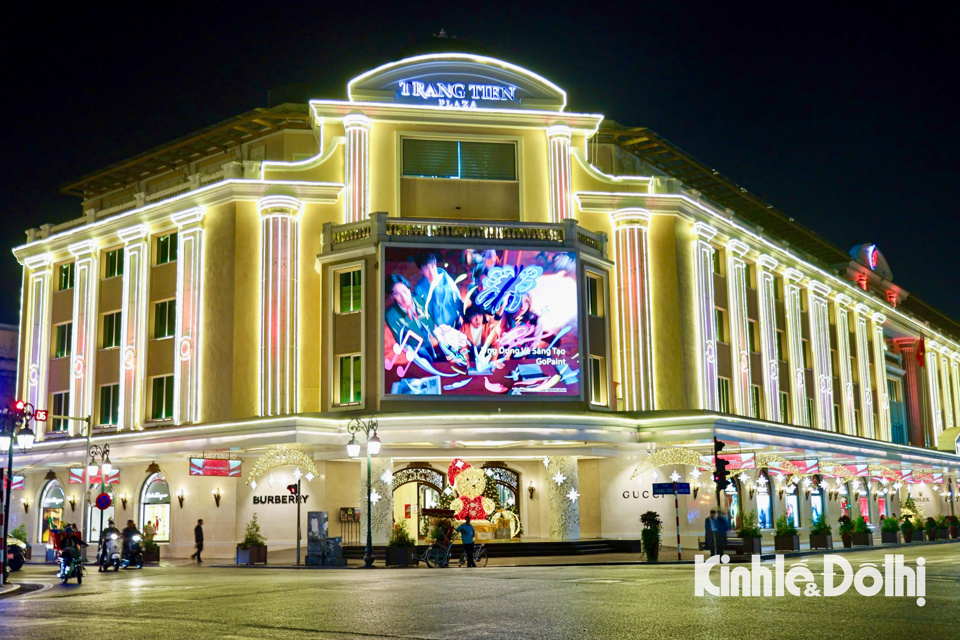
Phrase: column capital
pixel 704 231
pixel 632 217
pixel 737 247
pixel 933 346
pixel 765 261
pixel 280 205
pixel 131 234
pixel 842 299
pixel 861 309
pixel 908 345
pixel 84 248
pixel 559 131
pixel 818 288
pixel 879 318
pixel 944 350
pixel 356 120
pixel 792 275
pixel 188 217
pixel 38 262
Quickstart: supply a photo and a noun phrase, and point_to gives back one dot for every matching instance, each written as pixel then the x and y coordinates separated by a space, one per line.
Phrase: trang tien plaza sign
pixel 456 95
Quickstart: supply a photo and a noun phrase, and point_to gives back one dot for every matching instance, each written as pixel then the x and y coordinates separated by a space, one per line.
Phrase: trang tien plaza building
pixel 546 313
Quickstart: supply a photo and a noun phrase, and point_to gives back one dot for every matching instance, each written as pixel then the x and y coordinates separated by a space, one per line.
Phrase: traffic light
pixel 292 488
pixel 720 475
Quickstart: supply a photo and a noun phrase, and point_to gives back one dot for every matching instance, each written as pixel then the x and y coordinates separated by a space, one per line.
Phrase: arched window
pixel 765 515
pixel 93 515
pixel 51 509
pixel 507 483
pixel 155 506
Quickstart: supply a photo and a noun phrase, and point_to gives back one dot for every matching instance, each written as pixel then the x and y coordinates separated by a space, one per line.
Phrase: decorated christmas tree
pixel 910 508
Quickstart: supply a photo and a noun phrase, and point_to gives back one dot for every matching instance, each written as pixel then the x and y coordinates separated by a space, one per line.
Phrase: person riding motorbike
pixel 104 536
pixel 128 532
pixel 70 544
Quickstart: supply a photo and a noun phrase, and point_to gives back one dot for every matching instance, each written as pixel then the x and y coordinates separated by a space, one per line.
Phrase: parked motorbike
pixel 71 566
pixel 112 553
pixel 15 556
pixel 133 555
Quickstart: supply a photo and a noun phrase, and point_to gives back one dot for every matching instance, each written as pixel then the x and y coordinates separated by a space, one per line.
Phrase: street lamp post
pixel 14 425
pixel 103 455
pixel 353 450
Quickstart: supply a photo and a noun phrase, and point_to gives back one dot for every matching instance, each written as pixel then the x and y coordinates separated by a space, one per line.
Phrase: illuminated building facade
pixel 575 307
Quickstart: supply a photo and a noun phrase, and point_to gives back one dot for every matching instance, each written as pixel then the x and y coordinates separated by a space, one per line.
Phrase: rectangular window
pixel 806 354
pixel 723 394
pixel 718 261
pixel 161 399
pixel 109 404
pixel 721 325
pixel 793 509
pixel 350 380
pixel 778 289
pixel 598 385
pixel 810 411
pixel 856 421
pixel 113 264
pixel 65 277
pixel 753 336
pixel 349 291
pixel 764 508
pixel 111 331
pixel 755 401
pixel 594 296
pixel 748 276
pixel 63 338
pixel 780 351
pixel 784 407
pixel 164 319
pixel 166 248
pixel 61 407
pixel 458 160
pixel 836 417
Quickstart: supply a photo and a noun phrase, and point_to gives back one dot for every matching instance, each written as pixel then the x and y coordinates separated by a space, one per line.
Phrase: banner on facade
pixel 858 470
pixel 77 473
pixel 737 461
pixel 926 477
pixel 17 482
pixel 479 322
pixel 215 467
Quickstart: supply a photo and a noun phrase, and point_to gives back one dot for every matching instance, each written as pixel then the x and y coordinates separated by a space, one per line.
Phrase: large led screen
pixel 481 322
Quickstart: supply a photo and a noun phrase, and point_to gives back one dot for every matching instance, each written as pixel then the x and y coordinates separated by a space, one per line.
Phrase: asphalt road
pixel 494 602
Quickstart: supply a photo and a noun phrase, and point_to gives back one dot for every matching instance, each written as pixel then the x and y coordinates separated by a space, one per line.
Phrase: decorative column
pixel 381 498
pixel 847 402
pixel 739 346
pixel 633 308
pixel 946 395
pixel 563 497
pixel 558 145
pixel 863 364
pixel 884 429
pixel 794 317
pixel 134 325
pixel 706 315
pixel 912 391
pixel 933 384
pixel 186 372
pixel 766 303
pixel 278 304
pixel 819 316
pixel 37 305
pixel 955 385
pixel 85 316
pixel 357 129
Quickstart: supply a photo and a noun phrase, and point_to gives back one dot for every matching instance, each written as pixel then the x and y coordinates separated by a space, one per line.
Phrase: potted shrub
pixel 942 532
pixel 401 546
pixel 20 533
pixel 890 531
pixel 930 525
pixel 861 533
pixel 750 533
pixel 918 532
pixel 151 552
pixel 786 538
pixel 253 548
pixel 650 536
pixel 906 527
pixel 821 534
pixel 846 531
pixel 953 526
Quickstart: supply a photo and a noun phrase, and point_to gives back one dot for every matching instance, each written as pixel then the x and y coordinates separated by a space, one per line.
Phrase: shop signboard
pixel 215 467
pixel 666 488
pixel 482 322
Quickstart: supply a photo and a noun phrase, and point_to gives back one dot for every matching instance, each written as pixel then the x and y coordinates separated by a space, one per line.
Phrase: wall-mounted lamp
pixel 216 496
pixel 123 500
pixel 531 489
pixel 753 490
pixel 180 495
pixel 26 505
pixel 696 490
pixel 73 503
pixel 780 492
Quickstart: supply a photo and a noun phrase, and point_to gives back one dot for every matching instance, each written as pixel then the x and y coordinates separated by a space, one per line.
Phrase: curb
pixel 10 587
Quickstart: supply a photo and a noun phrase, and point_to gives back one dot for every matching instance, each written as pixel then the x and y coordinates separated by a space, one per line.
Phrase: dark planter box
pixel 752 545
pixel 252 555
pixel 943 534
pixel 151 557
pixel 847 540
pixel 931 534
pixel 786 543
pixel 908 536
pixel 889 537
pixel 400 556
pixel 821 541
pixel 954 532
pixel 862 539
pixel 918 535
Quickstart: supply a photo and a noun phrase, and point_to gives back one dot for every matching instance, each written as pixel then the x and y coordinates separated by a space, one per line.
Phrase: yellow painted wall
pixel 219 243
pixel 246 312
pixel 589 472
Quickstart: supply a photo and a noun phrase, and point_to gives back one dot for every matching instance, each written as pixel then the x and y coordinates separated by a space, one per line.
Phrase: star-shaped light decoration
pixel 762 481
pixel 297 474
pixel 655 475
pixel 559 478
pixel 489 472
pixel 270 480
pixel 253 484
pixel 573 495
pixel 447 491
pixel 387 477
pixel 807 482
pixel 897 486
pixel 374 497
pixel 856 485
pixel 922 483
pixel 511 501
pixel 546 462
pixel 696 473
pixel 884 481
pixel 675 476
pixel 309 476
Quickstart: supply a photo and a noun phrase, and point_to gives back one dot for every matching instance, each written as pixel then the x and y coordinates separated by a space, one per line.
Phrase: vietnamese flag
pixel 921 350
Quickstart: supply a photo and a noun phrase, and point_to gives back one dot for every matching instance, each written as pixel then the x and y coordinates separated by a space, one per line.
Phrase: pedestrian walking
pixel 722 525
pixel 710 532
pixel 467 534
pixel 198 538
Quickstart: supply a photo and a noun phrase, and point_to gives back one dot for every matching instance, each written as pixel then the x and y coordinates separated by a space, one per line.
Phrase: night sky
pixel 845 120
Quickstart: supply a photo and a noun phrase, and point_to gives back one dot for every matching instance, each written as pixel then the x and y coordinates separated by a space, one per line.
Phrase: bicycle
pixel 436 555
pixel 479 556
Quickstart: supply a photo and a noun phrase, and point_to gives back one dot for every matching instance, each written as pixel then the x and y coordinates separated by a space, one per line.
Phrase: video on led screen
pixel 481 322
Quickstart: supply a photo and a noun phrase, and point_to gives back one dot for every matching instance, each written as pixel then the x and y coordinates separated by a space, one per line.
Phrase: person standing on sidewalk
pixel 467 534
pixel 198 538
pixel 710 532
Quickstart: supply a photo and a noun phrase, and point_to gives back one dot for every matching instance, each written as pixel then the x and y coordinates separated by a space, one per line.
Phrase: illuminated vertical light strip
pixel 955 385
pixel 133 326
pixel 794 318
pixel 933 384
pixel 847 401
pixel 186 371
pixel 946 395
pixel 357 129
pixel 278 305
pixel 558 145
pixel 739 347
pixel 860 312
pixel 707 317
pixel 633 306
pixel 767 307
pixel 85 316
pixel 819 317
pixel 884 428
pixel 36 369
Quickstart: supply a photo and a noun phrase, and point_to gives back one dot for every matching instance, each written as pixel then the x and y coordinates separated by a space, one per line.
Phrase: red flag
pixel 921 351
